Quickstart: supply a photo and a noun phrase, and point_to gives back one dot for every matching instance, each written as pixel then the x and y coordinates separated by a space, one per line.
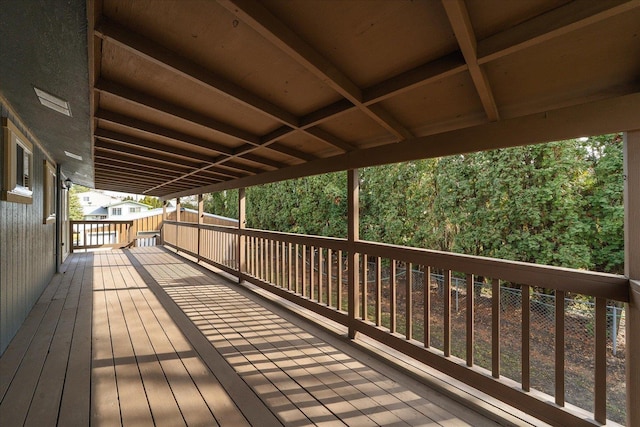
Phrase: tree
pixel 154 202
pixel 605 210
pixel 223 203
pixel 75 209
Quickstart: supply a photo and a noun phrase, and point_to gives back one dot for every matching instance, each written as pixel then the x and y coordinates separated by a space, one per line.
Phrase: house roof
pixel 94 210
pixel 189 97
pixel 128 202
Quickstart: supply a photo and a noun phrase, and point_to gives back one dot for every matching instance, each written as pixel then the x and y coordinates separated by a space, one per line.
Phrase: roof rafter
pixel 275 31
pixel 169 60
pixel 463 30
pixel 157 105
pixel 557 22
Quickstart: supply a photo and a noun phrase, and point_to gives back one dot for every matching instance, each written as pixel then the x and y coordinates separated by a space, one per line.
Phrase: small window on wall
pixel 49 193
pixel 116 211
pixel 18 165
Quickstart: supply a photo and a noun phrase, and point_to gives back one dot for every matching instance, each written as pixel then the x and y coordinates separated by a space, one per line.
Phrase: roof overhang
pixel 190 97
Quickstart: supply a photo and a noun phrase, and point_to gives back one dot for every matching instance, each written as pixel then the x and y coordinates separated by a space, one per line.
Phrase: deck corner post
pixel 353 235
pixel 242 224
pixel 632 270
pixel 164 218
pixel 200 221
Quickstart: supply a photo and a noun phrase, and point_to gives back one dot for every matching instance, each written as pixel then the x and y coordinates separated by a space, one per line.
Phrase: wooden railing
pixel 403 298
pixel 100 234
pixel 115 234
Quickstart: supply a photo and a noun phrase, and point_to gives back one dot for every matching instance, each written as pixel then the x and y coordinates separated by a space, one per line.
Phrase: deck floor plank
pixel 21 388
pixel 144 337
pixel 106 409
pixel 139 320
pixel 75 406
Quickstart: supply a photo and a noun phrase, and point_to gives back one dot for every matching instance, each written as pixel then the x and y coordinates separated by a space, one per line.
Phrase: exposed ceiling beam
pixel 271 28
pixel 592 118
pixel 322 135
pixel 167 59
pixel 461 23
pixel 106 171
pixel 104 165
pixel 557 22
pixel 159 55
pixel 188 140
pixel 133 141
pixel 151 129
pixel 123 158
pixel 149 102
pixel 144 154
pixel 159 106
pixel 430 72
pixel 163 148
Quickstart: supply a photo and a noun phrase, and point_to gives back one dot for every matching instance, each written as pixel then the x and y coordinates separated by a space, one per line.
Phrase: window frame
pixel 49 190
pixel 11 190
pixel 114 210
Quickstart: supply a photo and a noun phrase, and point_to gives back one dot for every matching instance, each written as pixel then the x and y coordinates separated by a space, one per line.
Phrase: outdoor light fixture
pixel 68 184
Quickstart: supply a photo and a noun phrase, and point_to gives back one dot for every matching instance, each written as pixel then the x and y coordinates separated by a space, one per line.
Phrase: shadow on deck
pixel 143 337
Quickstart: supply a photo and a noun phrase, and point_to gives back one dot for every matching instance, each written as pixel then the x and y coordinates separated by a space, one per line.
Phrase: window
pixel 116 211
pixel 49 193
pixel 85 198
pixel 18 165
pixel 134 210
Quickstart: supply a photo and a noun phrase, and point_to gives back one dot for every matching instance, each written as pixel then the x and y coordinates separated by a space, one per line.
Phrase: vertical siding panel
pixel 27 252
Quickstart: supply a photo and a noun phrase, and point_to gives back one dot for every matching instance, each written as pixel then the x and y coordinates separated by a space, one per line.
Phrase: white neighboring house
pixel 97 205
pixel 93 204
pixel 126 210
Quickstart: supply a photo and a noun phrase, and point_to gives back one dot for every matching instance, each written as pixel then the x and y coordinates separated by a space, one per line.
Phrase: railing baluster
pixel 365 281
pixel 289 267
pixel 283 264
pixel 495 328
pixel 526 335
pixel 263 259
pixel 272 262
pixel 559 370
pixel 320 269
pixel 329 278
pixel 600 394
pixel 426 302
pixel 297 282
pixel 378 291
pixel 470 318
pixel 392 297
pixel 312 270
pixel 304 270
pixel 339 299
pixel 447 313
pixel 408 300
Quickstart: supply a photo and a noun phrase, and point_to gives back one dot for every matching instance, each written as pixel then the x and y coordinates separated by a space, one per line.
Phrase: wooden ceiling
pixel 197 95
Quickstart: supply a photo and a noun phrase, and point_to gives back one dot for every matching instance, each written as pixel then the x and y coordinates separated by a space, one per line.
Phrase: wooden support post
pixel 200 221
pixel 242 224
pixel 164 218
pixel 632 270
pixel 353 235
pixel 178 209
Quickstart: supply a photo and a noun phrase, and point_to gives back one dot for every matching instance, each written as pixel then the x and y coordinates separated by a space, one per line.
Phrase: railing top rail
pixel 612 286
pixel 615 287
pixel 101 221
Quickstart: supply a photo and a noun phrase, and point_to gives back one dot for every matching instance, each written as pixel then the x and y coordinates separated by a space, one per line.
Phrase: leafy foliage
pixel 75 209
pixel 154 202
pixel 558 203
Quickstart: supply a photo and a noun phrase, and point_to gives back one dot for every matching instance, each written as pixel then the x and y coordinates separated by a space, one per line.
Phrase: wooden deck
pixel 142 337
